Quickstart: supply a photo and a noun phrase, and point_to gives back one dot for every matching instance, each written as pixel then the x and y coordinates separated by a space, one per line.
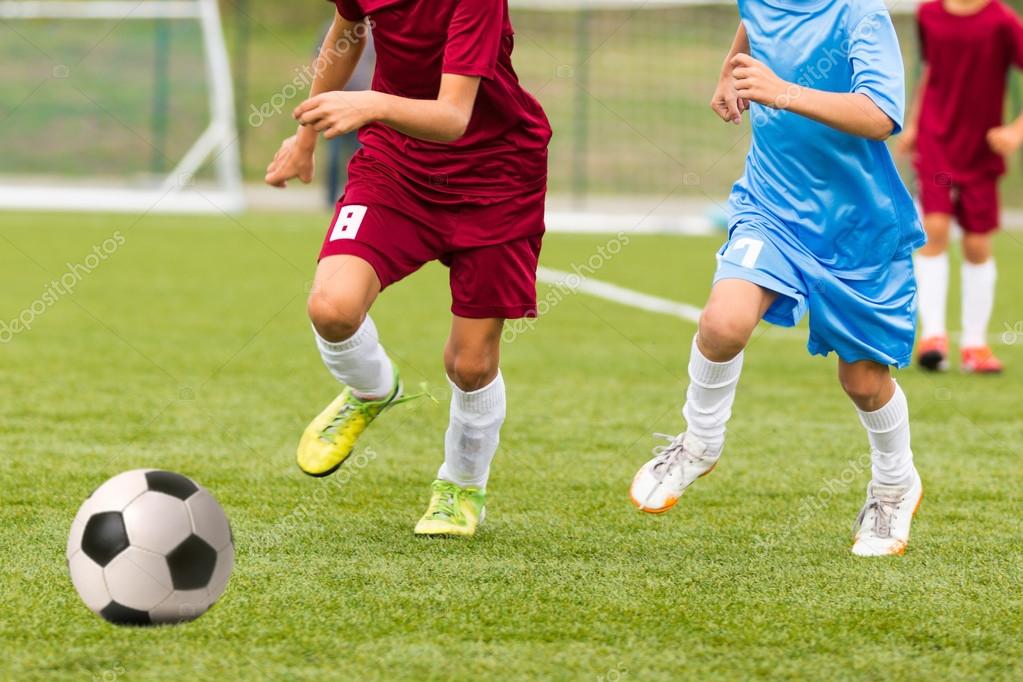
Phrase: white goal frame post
pixel 177 193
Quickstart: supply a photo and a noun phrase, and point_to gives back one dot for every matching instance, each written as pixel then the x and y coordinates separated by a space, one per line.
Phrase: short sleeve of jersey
pixel 474 38
pixel 350 10
pixel 877 69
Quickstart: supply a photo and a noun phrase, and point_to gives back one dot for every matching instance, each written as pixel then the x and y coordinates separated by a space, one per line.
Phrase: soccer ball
pixel 150 547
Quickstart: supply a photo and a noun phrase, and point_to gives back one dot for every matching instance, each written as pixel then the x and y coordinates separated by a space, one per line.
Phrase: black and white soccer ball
pixel 150 547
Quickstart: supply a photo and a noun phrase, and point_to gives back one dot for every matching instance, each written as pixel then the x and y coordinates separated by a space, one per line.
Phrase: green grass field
pixel 188 349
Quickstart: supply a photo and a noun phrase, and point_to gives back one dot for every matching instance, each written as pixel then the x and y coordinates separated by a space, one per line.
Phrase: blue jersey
pixel 839 195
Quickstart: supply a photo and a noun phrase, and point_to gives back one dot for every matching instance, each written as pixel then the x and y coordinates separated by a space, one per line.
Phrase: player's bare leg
pixel 343 292
pixel 978 283
pixel 932 285
pixel 895 490
pixel 726 324
pixel 472 360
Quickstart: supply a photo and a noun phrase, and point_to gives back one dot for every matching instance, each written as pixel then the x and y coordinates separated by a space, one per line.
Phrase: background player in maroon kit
pixel 959 138
pixel 453 168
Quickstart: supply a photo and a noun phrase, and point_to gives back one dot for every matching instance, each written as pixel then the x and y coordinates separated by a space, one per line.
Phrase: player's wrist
pixel 378 108
pixel 305 139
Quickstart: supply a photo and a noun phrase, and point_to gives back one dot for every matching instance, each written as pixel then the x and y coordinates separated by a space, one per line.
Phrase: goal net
pixel 117 106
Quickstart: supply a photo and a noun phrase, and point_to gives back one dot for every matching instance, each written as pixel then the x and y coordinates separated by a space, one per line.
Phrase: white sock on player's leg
pixel 978 300
pixel 709 397
pixel 932 293
pixel 888 432
pixel 359 362
pixel 473 434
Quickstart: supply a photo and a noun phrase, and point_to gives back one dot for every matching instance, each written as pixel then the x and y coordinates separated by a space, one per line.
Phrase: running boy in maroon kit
pixel 453 168
pixel 960 141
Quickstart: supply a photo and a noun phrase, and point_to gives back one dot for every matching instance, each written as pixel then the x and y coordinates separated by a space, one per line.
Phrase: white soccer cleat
pixel 661 481
pixel 882 528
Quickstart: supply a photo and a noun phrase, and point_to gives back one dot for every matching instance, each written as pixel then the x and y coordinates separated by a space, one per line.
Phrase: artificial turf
pixel 188 349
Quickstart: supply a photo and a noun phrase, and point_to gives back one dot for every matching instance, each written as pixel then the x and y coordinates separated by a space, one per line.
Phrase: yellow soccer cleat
pixel 453 511
pixel 330 438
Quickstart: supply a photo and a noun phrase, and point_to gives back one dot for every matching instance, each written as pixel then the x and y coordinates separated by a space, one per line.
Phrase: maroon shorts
pixel 974 203
pixel 398 228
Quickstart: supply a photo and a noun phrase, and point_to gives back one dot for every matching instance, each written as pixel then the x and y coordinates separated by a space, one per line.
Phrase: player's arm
pixel 850 112
pixel 907 141
pixel 1008 138
pixel 444 119
pixel 334 68
pixel 726 102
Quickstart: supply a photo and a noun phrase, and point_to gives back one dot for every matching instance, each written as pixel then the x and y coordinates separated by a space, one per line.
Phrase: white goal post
pixel 177 191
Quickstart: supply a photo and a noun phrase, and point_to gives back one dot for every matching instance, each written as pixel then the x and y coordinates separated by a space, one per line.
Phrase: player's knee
pixel 976 248
pixel 935 246
pixel 335 318
pixel 864 387
pixel 722 333
pixel 470 370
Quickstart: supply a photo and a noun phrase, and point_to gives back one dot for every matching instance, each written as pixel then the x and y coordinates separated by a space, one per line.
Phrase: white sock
pixel 473 434
pixel 888 432
pixel 359 362
pixel 932 293
pixel 709 397
pixel 978 300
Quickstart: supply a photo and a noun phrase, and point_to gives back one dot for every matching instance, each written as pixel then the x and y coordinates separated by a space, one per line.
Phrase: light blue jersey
pixel 821 216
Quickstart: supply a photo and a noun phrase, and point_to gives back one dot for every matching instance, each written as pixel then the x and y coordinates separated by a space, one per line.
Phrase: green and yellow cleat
pixel 330 438
pixel 453 511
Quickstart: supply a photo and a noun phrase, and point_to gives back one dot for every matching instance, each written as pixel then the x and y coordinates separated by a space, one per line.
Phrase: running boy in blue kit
pixel 821 224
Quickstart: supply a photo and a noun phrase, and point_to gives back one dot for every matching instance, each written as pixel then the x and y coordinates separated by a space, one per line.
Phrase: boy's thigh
pixel 871 319
pixel 752 254
pixel 395 235
pixel 936 194
pixel 497 281
pixel 977 206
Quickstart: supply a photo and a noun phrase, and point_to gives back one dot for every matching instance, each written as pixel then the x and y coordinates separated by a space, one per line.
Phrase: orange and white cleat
pixel 676 466
pixel 932 354
pixel 980 360
pixel 882 528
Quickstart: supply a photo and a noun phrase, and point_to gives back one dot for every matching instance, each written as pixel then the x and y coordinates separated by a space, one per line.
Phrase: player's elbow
pixel 881 129
pixel 453 123
pixel 455 129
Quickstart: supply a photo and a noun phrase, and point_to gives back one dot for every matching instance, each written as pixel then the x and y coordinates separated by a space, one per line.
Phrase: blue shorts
pixel 859 319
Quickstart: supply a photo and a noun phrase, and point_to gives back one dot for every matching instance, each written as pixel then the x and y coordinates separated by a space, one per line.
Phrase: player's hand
pixel 338 112
pixel 906 144
pixel 726 102
pixel 755 82
pixel 291 161
pixel 1005 140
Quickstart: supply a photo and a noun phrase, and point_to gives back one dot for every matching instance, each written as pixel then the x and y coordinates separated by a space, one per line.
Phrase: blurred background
pixel 625 84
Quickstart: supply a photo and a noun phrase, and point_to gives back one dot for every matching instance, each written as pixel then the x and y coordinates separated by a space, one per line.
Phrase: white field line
pixel 613 292
pixel 665 306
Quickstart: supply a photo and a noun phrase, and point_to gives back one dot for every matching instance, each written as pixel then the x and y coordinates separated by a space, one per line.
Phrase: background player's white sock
pixel 359 362
pixel 710 396
pixel 473 434
pixel 888 432
pixel 978 300
pixel 932 293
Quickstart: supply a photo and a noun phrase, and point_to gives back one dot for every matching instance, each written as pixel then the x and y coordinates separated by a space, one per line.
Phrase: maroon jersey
pixel 504 150
pixel 969 59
